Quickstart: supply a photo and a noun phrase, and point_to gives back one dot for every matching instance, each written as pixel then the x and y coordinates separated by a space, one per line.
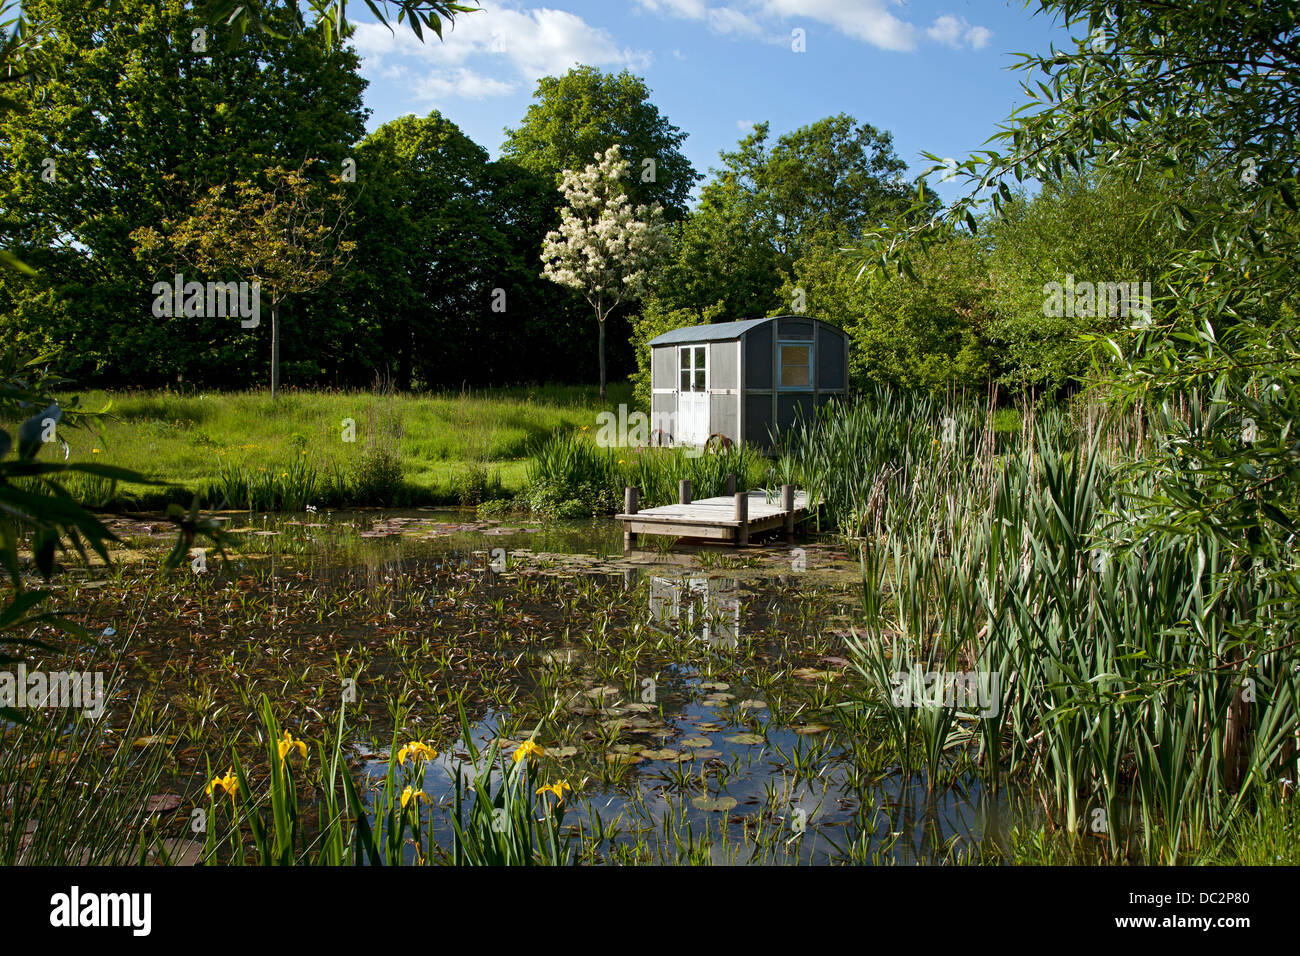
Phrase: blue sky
pixel 932 73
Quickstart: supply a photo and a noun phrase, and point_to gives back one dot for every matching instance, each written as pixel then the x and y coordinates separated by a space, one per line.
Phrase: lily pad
pixel 753 704
pixel 162 802
pixel 812 729
pixel 695 742
pixel 623 758
pixel 748 740
pixel 665 754
pixel 715 804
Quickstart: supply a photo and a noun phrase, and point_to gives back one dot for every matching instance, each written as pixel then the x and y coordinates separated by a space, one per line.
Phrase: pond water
pixel 700 701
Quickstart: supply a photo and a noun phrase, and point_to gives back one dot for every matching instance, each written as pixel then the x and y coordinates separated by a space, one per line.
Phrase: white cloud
pixel 865 20
pixel 722 19
pixel 744 125
pixel 870 21
pixel 956 32
pixel 460 82
pixel 528 43
pixel 978 37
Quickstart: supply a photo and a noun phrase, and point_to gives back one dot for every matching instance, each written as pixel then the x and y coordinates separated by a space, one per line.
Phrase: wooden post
pixel 631 505
pixel 787 505
pixel 684 491
pixel 731 483
pixel 742 515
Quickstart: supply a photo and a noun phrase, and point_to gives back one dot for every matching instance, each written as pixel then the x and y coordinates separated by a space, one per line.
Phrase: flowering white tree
pixel 604 247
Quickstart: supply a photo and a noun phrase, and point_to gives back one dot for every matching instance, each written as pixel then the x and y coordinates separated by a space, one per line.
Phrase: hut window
pixel 796 366
pixel 694 370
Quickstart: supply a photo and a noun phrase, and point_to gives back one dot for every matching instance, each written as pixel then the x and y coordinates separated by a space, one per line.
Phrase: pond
pixel 700 703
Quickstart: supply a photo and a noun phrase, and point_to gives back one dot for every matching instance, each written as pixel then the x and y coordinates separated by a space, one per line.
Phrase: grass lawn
pixel 186 439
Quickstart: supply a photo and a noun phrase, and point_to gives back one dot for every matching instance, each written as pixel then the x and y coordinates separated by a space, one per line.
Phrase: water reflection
pixel 708 608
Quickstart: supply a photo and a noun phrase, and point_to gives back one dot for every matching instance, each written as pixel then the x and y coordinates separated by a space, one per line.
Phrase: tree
pixel 603 247
pixel 1092 229
pixel 133 126
pixel 767 205
pixel 582 114
pixel 720 256
pixel 928 332
pixel 445 287
pixel 280 233
pixel 330 20
pixel 834 174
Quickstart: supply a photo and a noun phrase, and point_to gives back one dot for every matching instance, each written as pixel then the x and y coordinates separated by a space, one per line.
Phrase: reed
pixel 1122 657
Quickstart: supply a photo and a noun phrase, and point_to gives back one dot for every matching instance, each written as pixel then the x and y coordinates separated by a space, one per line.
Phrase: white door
pixel 693 395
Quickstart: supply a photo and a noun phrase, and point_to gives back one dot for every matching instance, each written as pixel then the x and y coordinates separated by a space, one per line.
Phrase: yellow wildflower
pixel 228 783
pixel 287 744
pixel 556 788
pixel 94 451
pixel 417 751
pixel 527 748
pixel 408 795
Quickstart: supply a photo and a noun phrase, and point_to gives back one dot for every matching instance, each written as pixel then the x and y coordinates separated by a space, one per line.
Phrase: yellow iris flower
pixel 417 751
pixel 408 795
pixel 287 744
pixel 556 788
pixel 228 783
pixel 527 749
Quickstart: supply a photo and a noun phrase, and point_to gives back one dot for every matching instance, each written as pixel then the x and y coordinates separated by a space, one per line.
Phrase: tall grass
pixel 75 794
pixel 570 475
pixel 1133 699
pixel 444 437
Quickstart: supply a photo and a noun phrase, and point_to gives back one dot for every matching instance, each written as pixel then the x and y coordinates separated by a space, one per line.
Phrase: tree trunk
pixel 601 323
pixel 275 348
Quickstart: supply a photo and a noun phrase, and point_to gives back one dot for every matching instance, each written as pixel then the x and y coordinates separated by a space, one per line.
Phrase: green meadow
pixel 446 443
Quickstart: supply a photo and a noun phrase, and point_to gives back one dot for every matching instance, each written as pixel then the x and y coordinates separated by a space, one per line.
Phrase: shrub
pixel 377 478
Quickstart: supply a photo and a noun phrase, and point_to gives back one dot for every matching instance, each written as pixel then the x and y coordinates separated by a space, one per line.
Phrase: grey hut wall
pixel 663 374
pixel 724 389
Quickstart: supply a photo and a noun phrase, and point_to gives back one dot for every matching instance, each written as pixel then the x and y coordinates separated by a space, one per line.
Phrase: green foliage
pixel 928 331
pixel 720 258
pixel 498 816
pixel 570 476
pixel 583 113
pixel 377 478
pixel 74 797
pixel 832 175
pixel 1118 655
pixel 1096 228
pixel 112 167
pixel 329 23
pixel 768 205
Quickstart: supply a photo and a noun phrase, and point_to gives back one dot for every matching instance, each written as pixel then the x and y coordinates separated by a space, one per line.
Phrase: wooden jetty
pixel 731 518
